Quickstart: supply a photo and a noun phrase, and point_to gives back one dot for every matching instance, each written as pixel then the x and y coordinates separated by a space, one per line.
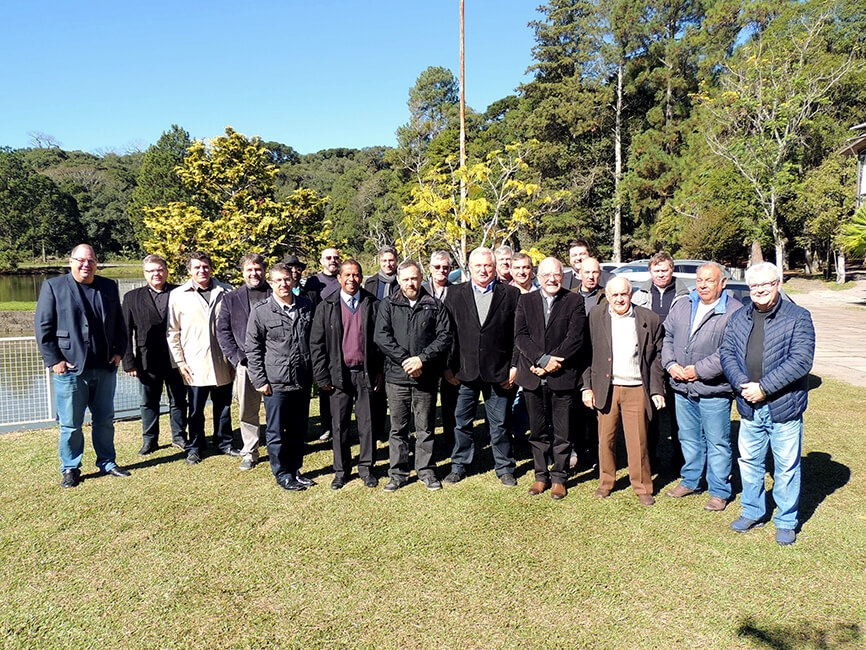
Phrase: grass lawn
pixel 210 557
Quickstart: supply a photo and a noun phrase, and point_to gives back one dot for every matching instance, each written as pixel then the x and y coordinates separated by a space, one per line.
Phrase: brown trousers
pixel 629 404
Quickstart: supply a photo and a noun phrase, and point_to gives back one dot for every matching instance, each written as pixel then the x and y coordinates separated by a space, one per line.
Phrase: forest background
pixel 701 127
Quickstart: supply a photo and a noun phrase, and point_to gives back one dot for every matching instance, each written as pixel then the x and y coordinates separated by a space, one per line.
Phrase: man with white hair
pixel 483 362
pixel 624 382
pixel 767 353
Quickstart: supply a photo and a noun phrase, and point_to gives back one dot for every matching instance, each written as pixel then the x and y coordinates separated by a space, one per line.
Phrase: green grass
pixel 18 305
pixel 210 557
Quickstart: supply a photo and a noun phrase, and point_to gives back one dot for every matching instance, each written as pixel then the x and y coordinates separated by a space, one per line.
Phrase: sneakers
pixel 743 525
pixel 454 477
pixel 324 437
pixel 680 491
pixel 247 463
pixel 785 536
pixel 508 480
pixel 431 482
pixel 193 458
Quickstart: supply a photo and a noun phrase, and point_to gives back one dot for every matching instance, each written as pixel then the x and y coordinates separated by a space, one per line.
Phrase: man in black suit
pixel 483 362
pixel 624 382
pixel 348 366
pixel 231 335
pixel 82 338
pixel 147 358
pixel 549 334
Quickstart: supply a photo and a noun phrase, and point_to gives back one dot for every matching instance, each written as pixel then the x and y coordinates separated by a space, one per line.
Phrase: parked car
pixel 636 272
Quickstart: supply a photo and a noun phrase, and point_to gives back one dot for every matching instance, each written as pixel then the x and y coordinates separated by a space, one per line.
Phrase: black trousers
pixel 287 415
pixel 221 399
pixel 358 392
pixel 550 416
pixel 151 394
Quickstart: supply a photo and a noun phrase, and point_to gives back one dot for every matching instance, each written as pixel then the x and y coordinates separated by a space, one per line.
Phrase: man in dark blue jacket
pixel 82 338
pixel 766 354
pixel 694 330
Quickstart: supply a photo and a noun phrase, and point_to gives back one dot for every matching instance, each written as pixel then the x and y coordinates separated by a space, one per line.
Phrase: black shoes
pixel 147 448
pixel 71 478
pixel 117 471
pixel 179 443
pixel 454 477
pixel 303 480
pixel 508 480
pixel 393 485
pixel 193 458
pixel 291 484
pixel 371 481
pixel 338 483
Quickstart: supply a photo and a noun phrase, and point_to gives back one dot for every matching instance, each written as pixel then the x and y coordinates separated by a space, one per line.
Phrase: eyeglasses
pixel 764 286
pixel 547 276
pixel 84 261
pixel 158 270
pixel 441 267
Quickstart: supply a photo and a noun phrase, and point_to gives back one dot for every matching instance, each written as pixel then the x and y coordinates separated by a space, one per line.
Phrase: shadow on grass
pixel 822 476
pixel 802 635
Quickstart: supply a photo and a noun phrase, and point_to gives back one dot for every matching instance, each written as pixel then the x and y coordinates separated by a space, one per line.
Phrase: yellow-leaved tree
pixel 499 202
pixel 234 209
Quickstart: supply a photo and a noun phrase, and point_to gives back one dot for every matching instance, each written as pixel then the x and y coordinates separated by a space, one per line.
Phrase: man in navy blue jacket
pixel 82 338
pixel 766 354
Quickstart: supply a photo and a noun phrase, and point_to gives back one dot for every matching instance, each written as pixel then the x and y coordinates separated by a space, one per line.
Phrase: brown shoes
pixel 680 491
pixel 537 488
pixel 601 494
pixel 646 499
pixel 558 491
pixel 716 504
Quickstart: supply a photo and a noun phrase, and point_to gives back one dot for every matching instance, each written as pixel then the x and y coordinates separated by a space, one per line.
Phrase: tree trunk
pixel 617 172
pixel 840 267
pixel 809 268
pixel 755 255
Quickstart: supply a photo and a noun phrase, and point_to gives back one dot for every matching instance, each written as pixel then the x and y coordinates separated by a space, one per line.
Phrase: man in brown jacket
pixel 624 381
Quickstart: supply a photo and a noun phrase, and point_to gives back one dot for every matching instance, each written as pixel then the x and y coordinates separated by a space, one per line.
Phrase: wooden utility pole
pixel 463 261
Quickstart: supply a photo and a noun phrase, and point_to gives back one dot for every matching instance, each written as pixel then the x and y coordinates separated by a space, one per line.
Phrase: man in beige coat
pixel 193 309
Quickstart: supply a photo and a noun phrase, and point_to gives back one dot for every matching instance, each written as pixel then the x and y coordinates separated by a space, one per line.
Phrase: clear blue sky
pixel 313 74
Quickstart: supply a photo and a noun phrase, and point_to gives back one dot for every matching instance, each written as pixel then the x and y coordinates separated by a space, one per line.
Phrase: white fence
pixel 27 388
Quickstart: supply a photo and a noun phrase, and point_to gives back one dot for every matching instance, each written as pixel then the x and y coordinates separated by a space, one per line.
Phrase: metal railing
pixel 27 388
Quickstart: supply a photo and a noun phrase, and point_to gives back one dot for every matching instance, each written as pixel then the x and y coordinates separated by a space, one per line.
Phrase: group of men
pixel 588 354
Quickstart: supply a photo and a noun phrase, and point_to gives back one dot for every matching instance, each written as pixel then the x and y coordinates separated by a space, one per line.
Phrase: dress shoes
pixel 716 504
pixel 558 491
pixel 508 480
pixel 393 485
pixel 147 448
pixel 71 478
pixel 601 494
pixel 179 443
pixel 291 484
pixel 370 481
pixel 680 491
pixel 303 480
pixel 646 499
pixel 193 458
pixel 537 488
pixel 338 483
pixel 454 477
pixel 117 471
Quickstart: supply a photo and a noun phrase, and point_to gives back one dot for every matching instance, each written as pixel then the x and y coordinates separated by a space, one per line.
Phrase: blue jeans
pixel 705 438
pixel 404 403
pixel 785 439
pixel 93 389
pixel 496 401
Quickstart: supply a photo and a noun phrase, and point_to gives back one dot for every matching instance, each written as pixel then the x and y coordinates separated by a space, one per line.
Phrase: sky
pixel 313 74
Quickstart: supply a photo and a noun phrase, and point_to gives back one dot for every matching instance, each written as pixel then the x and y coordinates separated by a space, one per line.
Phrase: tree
pixel 769 94
pixel 500 202
pixel 158 183
pixel 233 209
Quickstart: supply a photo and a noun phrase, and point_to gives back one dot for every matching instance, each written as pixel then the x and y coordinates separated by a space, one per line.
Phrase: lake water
pixel 21 288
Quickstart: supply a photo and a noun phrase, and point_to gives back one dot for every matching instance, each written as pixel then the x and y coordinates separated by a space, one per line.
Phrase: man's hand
pixel 132 372
pixel 554 364
pixel 116 359
pixel 752 392
pixel 61 367
pixel 588 398
pixel 676 371
pixel 326 388
pixel 185 373
pixel 658 402
pixel 265 390
pixel 450 378
pixel 380 382
pixel 690 374
pixel 535 370
pixel 412 366
pixel 508 383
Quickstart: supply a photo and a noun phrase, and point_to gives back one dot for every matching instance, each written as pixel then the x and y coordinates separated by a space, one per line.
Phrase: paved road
pixel 840 330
